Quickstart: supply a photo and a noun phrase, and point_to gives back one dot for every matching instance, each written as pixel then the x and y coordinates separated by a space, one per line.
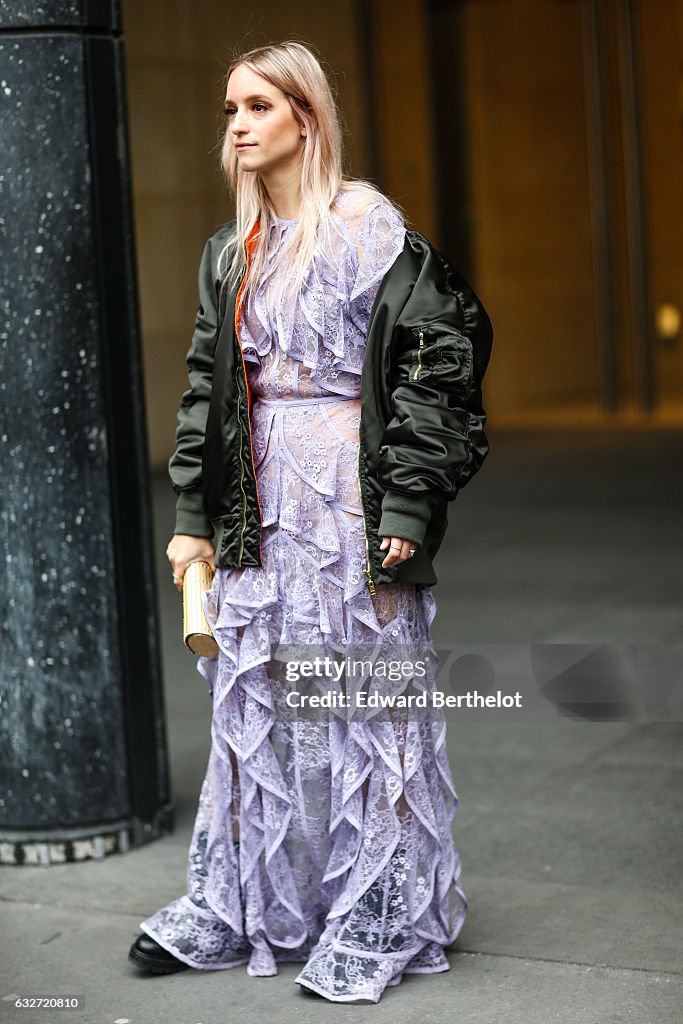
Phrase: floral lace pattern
pixel 324 842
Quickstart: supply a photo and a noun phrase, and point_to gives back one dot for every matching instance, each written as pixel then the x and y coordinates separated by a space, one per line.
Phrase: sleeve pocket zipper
pixel 421 336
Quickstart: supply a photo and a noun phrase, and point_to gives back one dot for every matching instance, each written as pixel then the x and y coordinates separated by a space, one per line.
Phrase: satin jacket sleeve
pixel 185 465
pixel 435 442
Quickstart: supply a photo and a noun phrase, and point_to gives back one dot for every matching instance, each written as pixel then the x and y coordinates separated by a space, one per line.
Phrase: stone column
pixel 83 763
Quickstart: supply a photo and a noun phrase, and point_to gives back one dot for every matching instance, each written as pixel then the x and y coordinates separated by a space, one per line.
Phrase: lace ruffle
pixel 325 329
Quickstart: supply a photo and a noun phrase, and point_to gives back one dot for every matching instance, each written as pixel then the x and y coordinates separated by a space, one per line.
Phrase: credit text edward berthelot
pixel 392 671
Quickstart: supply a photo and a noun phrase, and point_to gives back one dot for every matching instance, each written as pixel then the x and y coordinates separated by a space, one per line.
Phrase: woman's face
pixel 261 124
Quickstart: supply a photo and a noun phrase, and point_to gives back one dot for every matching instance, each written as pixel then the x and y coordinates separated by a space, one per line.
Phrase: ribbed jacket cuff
pixel 191 519
pixel 405 516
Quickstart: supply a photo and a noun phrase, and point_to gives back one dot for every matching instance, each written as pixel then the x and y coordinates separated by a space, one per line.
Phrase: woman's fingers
pixel 398 550
pixel 179 568
pixel 183 551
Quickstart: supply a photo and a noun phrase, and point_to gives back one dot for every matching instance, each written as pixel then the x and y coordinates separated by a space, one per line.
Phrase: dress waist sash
pixel 309 400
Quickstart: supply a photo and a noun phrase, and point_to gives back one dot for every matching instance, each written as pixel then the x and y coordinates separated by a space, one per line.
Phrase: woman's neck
pixel 284 192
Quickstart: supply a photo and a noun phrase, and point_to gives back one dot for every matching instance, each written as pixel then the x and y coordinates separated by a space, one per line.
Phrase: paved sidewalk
pixel 569 833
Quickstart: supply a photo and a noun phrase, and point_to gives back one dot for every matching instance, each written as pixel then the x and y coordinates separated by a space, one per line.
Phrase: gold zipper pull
pixel 421 336
pixel 368 576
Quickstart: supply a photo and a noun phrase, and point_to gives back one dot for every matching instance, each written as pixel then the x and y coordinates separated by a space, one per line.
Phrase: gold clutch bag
pixel 196 630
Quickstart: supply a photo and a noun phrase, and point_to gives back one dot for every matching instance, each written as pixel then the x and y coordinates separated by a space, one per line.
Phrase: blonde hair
pixel 295 70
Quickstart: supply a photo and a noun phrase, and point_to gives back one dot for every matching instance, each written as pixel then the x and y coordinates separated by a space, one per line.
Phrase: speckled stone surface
pixel 41 13
pixel 61 731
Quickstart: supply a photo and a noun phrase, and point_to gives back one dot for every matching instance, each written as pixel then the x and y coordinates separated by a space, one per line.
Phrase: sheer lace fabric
pixel 345 860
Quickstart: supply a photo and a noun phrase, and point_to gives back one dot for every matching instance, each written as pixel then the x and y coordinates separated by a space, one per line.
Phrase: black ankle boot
pixel 148 955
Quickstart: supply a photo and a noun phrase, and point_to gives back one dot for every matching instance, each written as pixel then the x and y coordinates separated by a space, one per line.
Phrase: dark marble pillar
pixel 83 766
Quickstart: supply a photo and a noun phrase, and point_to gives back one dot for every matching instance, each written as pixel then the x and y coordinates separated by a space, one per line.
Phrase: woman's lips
pixel 244 145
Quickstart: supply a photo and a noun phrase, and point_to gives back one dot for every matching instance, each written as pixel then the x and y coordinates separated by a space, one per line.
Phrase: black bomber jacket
pixel 422 421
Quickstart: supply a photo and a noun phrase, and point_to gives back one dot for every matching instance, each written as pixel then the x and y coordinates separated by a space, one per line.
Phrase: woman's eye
pixel 230 111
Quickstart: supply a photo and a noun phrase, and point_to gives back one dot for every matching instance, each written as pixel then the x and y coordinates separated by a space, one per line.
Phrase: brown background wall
pixel 530 192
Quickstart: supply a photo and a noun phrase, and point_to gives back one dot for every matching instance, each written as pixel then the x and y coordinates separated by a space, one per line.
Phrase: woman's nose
pixel 236 122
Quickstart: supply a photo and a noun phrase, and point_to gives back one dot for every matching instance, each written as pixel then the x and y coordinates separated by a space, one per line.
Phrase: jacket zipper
pixel 249 249
pixel 421 336
pixel 244 493
pixel 366 572
pixel 239 420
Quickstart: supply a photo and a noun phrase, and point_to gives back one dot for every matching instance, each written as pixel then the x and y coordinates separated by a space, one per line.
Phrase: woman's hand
pixel 399 550
pixel 184 549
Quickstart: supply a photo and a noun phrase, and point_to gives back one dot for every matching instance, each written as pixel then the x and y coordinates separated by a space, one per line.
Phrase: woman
pixel 335 400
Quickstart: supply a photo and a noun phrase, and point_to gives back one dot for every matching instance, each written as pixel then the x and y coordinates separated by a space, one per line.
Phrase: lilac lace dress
pixel 345 859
